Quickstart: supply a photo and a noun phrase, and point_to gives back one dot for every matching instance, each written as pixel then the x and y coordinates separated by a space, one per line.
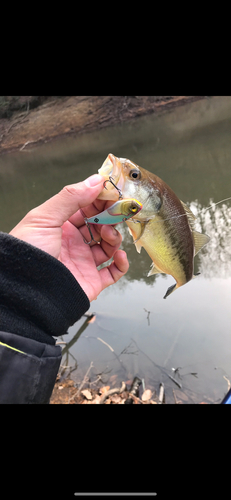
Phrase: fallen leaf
pixel 146 395
pixel 86 393
pixel 115 399
pixel 104 389
pixel 96 400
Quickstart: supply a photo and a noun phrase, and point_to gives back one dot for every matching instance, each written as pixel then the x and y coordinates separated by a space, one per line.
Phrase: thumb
pixel 60 207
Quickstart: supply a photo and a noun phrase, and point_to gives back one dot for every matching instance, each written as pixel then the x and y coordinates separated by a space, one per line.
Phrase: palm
pixel 82 260
pixel 52 228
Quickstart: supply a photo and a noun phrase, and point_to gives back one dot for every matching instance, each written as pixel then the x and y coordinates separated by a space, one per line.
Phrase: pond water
pixel 135 331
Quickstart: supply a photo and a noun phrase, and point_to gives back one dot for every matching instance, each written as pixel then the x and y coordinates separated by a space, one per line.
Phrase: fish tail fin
pixel 170 290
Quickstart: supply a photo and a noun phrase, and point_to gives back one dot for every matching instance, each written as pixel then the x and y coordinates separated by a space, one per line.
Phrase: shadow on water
pixel 186 337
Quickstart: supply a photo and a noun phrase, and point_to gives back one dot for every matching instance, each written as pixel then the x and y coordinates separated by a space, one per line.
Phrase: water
pixel 135 331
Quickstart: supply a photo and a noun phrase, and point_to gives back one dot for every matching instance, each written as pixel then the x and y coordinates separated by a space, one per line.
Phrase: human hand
pixel 57 227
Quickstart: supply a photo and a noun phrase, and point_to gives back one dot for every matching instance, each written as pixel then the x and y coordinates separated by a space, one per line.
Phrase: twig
pixel 112 391
pixel 111 349
pixel 29 142
pixel 105 343
pixel 82 383
pixel 174 380
pixel 228 381
pixel 161 394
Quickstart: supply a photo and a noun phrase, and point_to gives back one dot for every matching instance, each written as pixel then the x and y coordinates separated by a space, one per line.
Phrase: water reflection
pixel 215 257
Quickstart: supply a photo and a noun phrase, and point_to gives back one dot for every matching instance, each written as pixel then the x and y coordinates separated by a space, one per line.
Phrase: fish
pixel 120 211
pixel 165 225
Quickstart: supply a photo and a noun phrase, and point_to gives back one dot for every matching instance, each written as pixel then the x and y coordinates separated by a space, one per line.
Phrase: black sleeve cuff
pixel 39 297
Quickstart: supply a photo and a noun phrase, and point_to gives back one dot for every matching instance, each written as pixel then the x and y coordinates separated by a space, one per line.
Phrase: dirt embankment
pixel 33 119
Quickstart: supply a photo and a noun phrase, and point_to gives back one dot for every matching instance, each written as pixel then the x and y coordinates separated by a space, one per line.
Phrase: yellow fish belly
pixel 169 253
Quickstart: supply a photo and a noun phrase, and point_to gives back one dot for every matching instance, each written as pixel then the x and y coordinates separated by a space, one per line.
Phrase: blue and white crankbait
pixel 119 212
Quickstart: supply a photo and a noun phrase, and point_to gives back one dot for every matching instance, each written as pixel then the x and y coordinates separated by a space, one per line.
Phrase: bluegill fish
pixel 120 211
pixel 165 225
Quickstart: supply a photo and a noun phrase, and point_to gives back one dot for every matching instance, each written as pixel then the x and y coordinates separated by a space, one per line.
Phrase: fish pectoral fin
pixel 170 290
pixel 136 230
pixel 199 241
pixel 137 245
pixel 154 270
pixel 142 226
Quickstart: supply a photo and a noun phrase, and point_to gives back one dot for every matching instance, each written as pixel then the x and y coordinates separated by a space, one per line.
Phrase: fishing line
pixel 153 216
pixel 182 215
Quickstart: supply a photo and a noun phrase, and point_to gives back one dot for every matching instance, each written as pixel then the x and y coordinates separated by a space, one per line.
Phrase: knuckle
pixel 70 189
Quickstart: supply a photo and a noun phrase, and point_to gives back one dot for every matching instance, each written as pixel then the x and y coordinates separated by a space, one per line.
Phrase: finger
pixel 59 208
pixel 93 209
pixel 111 241
pixel 116 270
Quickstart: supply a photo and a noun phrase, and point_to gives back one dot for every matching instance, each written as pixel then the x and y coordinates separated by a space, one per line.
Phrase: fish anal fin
pixel 170 290
pixel 154 270
pixel 199 241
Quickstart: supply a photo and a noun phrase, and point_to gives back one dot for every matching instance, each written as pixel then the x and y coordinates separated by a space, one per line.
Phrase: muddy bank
pixel 28 120
pixel 118 392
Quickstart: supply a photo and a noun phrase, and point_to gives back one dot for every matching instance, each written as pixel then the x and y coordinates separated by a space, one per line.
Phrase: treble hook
pixel 91 235
pixel 111 180
pixel 89 229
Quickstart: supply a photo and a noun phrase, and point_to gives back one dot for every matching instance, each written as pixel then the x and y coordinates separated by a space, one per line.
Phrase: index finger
pixel 59 208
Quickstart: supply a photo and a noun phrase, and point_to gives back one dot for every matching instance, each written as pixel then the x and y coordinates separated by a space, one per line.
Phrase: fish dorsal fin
pixel 190 216
pixel 199 241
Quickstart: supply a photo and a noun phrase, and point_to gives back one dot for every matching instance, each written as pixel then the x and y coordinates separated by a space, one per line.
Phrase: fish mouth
pixel 111 169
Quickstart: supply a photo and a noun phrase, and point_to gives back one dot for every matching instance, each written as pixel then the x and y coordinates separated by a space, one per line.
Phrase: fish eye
pixel 135 174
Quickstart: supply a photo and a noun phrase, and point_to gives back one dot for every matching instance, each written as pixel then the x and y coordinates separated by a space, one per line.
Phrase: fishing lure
pixel 120 211
pixel 111 180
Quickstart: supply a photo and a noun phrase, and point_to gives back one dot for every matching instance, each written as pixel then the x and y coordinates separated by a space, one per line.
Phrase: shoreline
pixel 63 116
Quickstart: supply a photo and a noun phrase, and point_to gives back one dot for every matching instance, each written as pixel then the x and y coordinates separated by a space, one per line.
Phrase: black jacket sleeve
pixel 39 297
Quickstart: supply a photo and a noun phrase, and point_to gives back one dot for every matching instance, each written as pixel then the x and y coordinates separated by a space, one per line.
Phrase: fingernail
pixel 94 180
pixel 115 232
